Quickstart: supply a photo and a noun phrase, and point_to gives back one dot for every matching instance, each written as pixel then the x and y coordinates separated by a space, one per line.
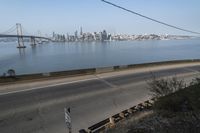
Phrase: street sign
pixel 68 119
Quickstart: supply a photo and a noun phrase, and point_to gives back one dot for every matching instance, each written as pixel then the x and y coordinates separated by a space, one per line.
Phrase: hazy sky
pixel 66 16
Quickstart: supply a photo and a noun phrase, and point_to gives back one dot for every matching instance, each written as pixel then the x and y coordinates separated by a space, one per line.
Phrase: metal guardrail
pixel 110 122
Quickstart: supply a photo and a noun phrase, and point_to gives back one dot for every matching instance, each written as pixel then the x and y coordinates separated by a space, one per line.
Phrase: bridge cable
pixel 10 30
pixel 157 21
pixel 25 31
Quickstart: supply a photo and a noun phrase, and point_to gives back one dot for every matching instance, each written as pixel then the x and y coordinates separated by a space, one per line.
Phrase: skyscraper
pixel 104 35
pixel 81 31
pixel 76 35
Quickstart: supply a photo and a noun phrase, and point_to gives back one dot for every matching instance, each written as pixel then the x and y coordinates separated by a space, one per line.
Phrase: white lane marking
pixel 192 70
pixel 82 80
pixel 53 85
pixel 106 82
pixel 51 102
pixel 96 77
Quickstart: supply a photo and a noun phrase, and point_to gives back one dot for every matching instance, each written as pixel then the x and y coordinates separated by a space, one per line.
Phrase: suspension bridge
pixel 18 29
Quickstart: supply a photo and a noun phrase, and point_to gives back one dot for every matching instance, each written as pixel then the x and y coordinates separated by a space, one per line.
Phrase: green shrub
pixel 187 99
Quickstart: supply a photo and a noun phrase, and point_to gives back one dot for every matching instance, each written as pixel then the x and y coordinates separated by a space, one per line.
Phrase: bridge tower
pixel 20 37
pixel 33 42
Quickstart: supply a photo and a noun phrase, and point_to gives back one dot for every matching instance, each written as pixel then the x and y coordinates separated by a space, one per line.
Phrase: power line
pixel 157 21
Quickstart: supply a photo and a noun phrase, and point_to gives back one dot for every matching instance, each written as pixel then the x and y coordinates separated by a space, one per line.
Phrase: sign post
pixel 68 119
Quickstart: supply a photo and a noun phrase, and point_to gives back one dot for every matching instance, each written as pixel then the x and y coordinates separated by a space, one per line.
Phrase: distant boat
pixel 40 42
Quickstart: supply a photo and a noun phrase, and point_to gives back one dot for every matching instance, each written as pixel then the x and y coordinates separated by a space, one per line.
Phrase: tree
pixel 11 73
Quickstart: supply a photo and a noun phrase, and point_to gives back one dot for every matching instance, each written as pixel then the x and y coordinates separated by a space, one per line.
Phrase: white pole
pixel 68 119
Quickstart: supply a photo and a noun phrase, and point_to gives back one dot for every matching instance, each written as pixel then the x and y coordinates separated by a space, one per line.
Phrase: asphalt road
pixel 42 110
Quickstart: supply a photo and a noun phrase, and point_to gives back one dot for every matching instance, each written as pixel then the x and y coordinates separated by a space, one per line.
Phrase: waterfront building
pixel 76 35
pixel 104 35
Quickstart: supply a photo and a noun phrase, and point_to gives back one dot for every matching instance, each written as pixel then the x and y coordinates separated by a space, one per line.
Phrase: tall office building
pixel 76 35
pixel 104 35
pixel 81 31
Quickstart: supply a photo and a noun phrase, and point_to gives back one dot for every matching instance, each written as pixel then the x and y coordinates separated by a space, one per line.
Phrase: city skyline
pixel 93 15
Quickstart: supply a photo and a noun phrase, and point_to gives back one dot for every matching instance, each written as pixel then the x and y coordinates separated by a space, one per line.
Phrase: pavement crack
pixel 114 103
pixel 114 100
pixel 40 115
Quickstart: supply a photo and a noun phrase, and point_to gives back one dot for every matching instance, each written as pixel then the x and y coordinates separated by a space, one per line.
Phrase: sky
pixel 67 16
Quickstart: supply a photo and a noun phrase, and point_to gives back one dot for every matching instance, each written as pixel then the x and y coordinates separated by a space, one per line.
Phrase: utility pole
pixel 20 36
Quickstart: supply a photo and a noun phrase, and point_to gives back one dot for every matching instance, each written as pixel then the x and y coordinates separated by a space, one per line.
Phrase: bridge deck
pixel 24 36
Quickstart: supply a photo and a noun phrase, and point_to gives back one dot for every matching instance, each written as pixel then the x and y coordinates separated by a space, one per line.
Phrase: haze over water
pixel 69 56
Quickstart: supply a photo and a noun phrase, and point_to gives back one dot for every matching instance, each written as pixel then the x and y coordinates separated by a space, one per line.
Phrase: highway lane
pixel 41 110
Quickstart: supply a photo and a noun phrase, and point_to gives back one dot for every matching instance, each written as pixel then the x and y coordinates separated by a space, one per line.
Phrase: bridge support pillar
pixel 33 42
pixel 20 37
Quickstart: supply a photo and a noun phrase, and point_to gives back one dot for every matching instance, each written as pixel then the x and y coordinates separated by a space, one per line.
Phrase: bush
pixel 184 100
pixel 162 87
pixel 195 81
pixel 173 103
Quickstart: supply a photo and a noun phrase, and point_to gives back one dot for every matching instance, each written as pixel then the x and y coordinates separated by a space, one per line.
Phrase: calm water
pixel 67 56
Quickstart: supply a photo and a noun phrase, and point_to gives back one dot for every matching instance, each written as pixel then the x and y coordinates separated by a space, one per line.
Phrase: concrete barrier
pixel 111 121
pixel 39 76
pixel 99 126
pixel 162 63
pixel 120 67
pixel 104 70
pixel 74 72
pixel 46 74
